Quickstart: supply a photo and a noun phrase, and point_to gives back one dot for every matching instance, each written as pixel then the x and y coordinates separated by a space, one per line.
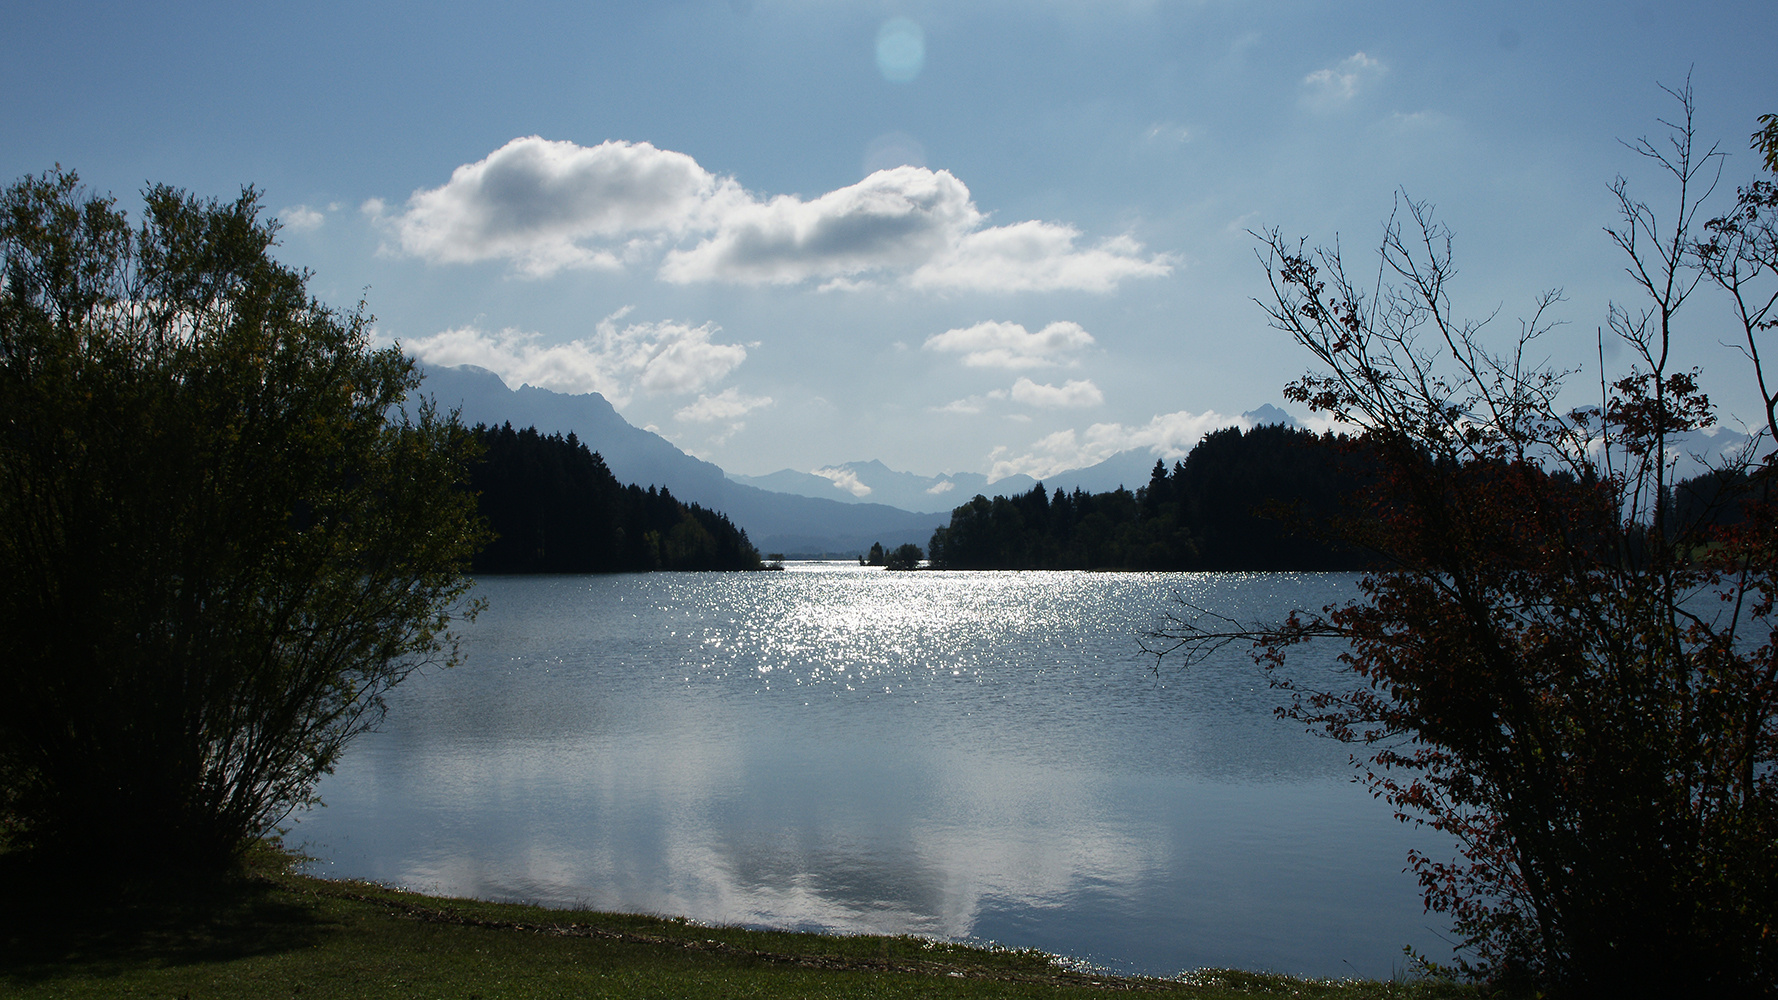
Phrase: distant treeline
pixel 1254 500
pixel 1238 501
pixel 554 507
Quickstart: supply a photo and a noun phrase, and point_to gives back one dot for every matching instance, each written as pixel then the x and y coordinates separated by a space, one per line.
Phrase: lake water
pixel 977 756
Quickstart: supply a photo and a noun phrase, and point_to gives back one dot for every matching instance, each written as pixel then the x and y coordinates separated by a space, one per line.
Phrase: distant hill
pixel 1129 469
pixel 874 482
pixel 775 522
pixel 796 513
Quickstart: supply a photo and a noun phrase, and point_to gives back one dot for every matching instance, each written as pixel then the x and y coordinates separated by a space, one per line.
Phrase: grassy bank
pixel 270 933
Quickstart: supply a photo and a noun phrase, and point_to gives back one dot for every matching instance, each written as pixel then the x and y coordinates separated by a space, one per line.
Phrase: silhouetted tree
pixel 1241 500
pixel 555 507
pixel 905 556
pixel 220 548
pixel 1570 666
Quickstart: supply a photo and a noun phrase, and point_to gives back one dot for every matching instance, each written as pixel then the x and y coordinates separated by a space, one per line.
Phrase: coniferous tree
pixel 555 507
pixel 1241 500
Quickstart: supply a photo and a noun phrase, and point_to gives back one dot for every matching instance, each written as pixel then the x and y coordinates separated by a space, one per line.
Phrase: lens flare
pixel 901 50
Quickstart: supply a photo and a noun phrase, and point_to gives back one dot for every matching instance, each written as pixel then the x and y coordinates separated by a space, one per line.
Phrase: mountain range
pixel 874 482
pixel 839 512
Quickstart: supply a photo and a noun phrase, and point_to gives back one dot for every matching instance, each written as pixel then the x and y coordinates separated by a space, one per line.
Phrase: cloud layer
pixel 728 405
pixel 897 219
pixel 1009 345
pixel 1169 436
pixel 1338 84
pixel 726 409
pixel 844 479
pixel 301 218
pixel 538 204
pixel 1073 394
pixel 544 206
pixel 662 358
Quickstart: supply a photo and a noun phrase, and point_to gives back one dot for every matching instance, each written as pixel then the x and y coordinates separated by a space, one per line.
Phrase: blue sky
pixel 971 236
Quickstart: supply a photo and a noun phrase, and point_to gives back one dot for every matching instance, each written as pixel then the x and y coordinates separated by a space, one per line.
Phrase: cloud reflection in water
pixel 959 755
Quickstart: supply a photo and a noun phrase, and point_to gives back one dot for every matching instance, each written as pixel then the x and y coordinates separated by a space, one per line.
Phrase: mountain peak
pixel 1267 414
pixel 774 521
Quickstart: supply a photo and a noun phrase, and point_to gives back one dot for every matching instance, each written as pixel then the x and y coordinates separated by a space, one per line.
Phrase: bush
pixel 220 550
pixel 1563 669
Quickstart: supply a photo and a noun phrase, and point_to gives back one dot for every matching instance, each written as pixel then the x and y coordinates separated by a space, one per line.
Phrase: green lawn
pixel 269 933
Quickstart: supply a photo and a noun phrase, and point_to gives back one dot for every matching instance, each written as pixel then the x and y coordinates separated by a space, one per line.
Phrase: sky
pixel 972 236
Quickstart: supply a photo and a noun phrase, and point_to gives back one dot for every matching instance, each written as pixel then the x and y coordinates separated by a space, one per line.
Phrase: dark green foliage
pixel 1035 531
pixel 1716 498
pixel 554 507
pixel 1241 500
pixel 1765 141
pixel 217 550
pixel 1253 500
pixel 906 556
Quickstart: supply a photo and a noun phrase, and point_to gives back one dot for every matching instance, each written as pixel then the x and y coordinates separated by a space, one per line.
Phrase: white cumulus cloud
pixel 546 205
pixel 1037 257
pixel 669 358
pixel 1338 84
pixel 1010 345
pixel 663 358
pixel 729 404
pixel 301 218
pixel 896 219
pixel 1169 436
pixel 844 479
pixel 1074 393
pixel 518 358
pixel 971 405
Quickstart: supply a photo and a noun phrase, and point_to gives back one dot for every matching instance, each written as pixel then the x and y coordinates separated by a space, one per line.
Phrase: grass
pixel 269 932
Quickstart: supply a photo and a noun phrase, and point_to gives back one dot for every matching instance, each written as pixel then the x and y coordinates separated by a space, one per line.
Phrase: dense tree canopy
pixel 218 548
pixel 554 507
pixel 907 555
pixel 1240 500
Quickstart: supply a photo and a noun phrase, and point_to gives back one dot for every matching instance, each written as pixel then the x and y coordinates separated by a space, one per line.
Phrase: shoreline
pixel 269 930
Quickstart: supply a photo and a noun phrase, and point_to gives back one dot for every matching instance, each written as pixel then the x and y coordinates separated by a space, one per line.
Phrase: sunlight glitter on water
pixel 967 755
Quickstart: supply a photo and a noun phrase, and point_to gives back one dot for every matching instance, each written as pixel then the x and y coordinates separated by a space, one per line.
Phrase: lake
pixel 984 756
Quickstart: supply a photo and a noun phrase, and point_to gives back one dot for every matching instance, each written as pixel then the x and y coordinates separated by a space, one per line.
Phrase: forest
pixel 1240 500
pixel 554 507
pixel 1265 499
pixel 1254 500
